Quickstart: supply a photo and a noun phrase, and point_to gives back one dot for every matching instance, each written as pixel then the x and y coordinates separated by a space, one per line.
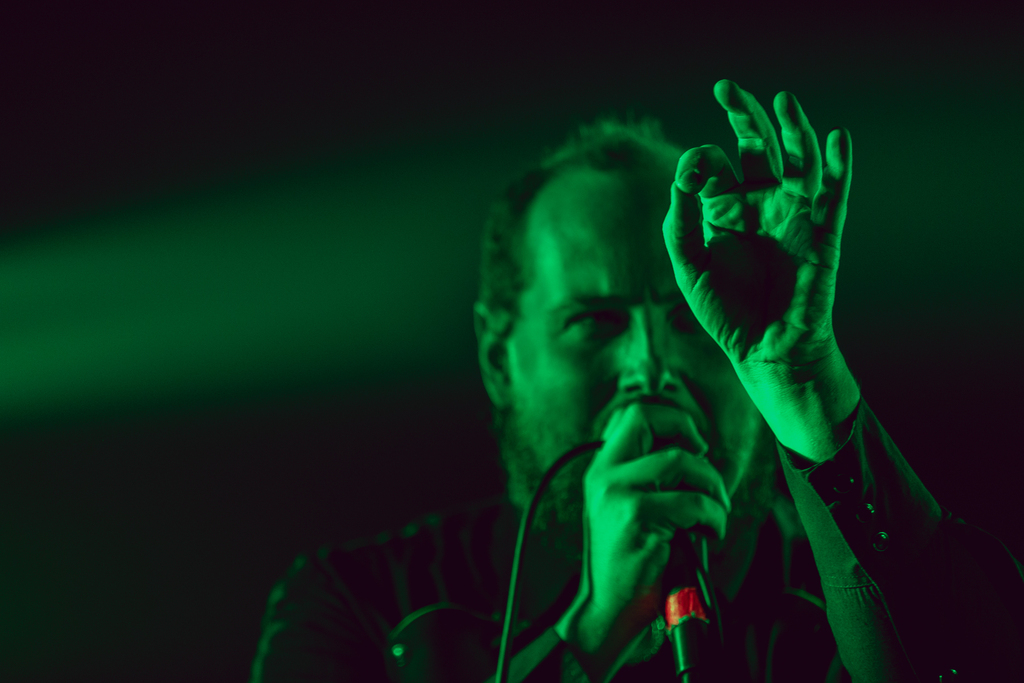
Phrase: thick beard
pixel 525 446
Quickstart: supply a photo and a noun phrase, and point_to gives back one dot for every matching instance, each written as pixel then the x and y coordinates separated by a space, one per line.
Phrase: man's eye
pixel 601 323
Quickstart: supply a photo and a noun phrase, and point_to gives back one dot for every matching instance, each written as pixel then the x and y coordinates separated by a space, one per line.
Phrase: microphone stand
pixel 690 610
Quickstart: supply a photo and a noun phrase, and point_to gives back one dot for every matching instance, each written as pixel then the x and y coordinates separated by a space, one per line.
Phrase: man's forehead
pixel 594 235
pixel 585 202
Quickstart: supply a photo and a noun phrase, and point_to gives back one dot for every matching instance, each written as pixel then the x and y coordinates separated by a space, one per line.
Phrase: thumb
pixel 684 237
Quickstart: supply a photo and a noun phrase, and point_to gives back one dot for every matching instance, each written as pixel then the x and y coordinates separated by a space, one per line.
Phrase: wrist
pixel 808 406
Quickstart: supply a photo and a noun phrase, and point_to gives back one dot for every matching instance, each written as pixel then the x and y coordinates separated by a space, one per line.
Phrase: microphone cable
pixel 512 607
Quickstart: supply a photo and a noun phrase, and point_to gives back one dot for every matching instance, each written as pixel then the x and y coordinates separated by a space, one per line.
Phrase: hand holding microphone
pixel 635 500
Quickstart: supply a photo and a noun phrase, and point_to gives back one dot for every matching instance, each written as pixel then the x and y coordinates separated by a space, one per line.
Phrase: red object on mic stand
pixel 684 604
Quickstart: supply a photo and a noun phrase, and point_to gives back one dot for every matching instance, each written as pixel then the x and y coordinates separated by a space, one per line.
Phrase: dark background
pixel 239 249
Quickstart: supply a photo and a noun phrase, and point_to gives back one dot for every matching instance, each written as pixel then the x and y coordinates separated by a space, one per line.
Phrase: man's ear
pixel 492 333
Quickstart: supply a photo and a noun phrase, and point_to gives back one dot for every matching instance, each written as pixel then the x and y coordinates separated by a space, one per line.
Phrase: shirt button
pixel 881 541
pixel 865 513
pixel 844 483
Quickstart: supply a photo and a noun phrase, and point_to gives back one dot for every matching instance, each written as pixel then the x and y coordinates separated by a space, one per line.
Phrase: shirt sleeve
pixel 911 592
pixel 313 632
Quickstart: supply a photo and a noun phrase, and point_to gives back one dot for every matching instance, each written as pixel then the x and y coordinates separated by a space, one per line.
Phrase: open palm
pixel 756 256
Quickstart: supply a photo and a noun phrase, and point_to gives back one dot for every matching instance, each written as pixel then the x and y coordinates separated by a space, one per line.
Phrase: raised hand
pixel 756 256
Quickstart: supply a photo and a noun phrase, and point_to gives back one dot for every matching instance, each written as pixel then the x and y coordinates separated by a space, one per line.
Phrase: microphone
pixel 688 609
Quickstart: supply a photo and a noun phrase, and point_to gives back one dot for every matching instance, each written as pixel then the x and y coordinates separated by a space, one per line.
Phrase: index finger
pixel 626 437
pixel 674 469
pixel 760 157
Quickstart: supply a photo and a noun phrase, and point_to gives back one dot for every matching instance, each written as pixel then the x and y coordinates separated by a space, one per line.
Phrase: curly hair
pixel 607 144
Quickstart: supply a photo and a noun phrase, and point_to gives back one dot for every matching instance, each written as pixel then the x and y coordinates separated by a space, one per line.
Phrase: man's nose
pixel 646 370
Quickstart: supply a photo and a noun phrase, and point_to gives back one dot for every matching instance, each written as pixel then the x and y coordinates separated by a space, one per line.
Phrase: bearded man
pixel 679 311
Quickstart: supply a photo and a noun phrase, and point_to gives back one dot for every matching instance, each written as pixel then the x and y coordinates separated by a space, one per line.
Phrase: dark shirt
pixel 858 574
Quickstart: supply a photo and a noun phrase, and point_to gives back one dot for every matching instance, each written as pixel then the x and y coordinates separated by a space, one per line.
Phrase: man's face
pixel 603 324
